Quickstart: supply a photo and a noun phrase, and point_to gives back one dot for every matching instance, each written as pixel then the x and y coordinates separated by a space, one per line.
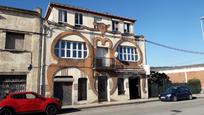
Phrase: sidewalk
pixel 103 104
pixel 201 95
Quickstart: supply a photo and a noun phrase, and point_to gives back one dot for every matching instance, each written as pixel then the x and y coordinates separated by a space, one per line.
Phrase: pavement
pixel 115 103
pixel 105 104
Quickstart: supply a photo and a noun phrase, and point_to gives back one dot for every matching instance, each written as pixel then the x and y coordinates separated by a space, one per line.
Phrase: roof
pixel 68 7
pixel 163 68
pixel 23 11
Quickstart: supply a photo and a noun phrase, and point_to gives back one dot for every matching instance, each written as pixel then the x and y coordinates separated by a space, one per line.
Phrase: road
pixel 188 107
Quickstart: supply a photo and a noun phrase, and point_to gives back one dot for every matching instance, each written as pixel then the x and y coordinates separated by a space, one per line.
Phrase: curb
pixel 87 106
pixel 198 96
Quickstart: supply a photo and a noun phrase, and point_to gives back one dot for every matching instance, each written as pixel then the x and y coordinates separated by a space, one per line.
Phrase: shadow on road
pixel 194 98
pixel 62 111
pixel 174 112
pixel 69 110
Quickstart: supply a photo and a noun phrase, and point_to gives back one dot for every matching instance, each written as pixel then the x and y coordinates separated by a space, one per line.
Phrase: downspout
pixel 39 10
pixel 43 60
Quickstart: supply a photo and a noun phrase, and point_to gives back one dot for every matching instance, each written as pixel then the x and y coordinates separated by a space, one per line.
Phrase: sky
pixel 174 23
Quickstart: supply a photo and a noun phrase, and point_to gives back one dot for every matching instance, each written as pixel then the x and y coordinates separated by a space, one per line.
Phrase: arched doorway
pixel 63 89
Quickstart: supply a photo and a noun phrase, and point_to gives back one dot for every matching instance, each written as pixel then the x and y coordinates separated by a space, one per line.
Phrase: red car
pixel 27 102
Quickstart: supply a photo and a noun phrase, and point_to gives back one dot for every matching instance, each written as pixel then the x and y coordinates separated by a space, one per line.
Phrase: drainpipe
pixel 43 59
pixel 41 55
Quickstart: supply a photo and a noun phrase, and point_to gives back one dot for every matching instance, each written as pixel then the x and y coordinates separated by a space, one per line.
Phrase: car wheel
pixel 190 97
pixel 51 110
pixel 175 98
pixel 6 111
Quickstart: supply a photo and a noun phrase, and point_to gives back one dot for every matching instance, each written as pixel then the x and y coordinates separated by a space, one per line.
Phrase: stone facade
pixel 20 39
pixel 86 61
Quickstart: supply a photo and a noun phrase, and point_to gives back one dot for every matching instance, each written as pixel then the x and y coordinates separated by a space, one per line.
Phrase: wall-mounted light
pixel 116 54
pixel 30 66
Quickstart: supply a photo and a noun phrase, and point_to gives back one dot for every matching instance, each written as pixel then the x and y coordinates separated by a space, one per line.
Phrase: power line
pixel 173 48
pixel 188 61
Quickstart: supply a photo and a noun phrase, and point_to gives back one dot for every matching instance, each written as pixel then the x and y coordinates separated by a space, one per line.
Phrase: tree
pixel 195 85
pixel 159 78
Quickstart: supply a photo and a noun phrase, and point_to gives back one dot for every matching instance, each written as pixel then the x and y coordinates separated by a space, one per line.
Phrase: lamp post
pixel 201 24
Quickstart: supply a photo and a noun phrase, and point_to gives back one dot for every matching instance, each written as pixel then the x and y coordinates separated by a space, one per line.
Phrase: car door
pixel 33 102
pixel 186 92
pixel 182 93
pixel 19 103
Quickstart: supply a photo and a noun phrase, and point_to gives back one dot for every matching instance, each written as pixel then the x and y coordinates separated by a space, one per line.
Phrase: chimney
pixel 39 10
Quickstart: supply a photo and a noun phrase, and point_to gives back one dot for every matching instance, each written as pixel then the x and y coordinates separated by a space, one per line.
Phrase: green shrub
pixel 194 85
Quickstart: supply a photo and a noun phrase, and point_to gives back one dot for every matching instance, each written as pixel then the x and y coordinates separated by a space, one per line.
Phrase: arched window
pixel 70 49
pixel 127 53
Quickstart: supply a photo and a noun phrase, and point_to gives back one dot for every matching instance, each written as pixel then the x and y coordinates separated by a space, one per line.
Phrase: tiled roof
pixel 69 7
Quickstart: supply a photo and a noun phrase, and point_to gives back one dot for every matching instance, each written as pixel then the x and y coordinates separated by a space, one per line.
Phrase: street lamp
pixel 201 24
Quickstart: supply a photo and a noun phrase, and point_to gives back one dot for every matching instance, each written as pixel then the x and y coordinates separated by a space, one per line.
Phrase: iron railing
pixel 104 63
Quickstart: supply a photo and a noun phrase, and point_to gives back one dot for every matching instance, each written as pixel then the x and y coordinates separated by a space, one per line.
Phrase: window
pixel 19 96
pixel 121 90
pixel 68 49
pixel 12 83
pixel 62 16
pixel 78 19
pixel 126 28
pixel 126 53
pixel 115 25
pixel 30 96
pixel 82 89
pixel 14 41
pixel 97 20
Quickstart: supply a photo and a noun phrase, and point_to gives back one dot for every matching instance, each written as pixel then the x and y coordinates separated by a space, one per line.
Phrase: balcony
pixel 104 63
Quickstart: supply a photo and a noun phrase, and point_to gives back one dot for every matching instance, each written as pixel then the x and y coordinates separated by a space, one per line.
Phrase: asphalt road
pixel 187 107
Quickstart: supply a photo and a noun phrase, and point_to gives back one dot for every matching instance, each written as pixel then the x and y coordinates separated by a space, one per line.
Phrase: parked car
pixel 28 102
pixel 175 93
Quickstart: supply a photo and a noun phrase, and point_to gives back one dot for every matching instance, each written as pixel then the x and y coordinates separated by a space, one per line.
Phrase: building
pixel 20 39
pixel 92 56
pixel 181 74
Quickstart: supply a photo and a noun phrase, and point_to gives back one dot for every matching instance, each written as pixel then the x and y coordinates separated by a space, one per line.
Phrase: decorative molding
pixel 103 28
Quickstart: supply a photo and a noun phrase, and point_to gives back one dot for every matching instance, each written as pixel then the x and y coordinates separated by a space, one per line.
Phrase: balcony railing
pixel 104 63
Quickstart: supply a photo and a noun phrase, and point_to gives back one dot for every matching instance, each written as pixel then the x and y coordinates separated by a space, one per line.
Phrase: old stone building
pixel 20 37
pixel 92 56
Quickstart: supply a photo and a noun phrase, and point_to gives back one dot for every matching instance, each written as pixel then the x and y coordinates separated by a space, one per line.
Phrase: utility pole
pixel 201 24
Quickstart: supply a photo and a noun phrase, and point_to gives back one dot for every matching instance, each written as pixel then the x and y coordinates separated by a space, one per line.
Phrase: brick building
pixel 92 56
pixel 181 74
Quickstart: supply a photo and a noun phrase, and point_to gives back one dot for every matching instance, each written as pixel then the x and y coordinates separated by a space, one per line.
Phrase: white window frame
pixel 77 15
pixel 115 25
pixel 124 52
pixel 126 28
pixel 71 49
pixel 63 17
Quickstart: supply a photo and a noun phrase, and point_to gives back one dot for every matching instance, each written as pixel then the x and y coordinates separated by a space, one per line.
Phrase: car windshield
pixel 171 90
